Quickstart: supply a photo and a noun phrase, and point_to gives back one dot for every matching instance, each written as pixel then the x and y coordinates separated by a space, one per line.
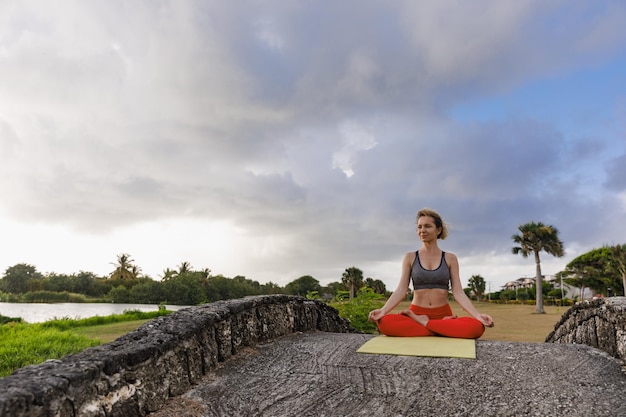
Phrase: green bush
pixel 357 310
pixel 5 319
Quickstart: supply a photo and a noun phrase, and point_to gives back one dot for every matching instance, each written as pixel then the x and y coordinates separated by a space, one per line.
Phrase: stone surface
pixel 286 356
pixel 599 323
pixel 137 373
pixel 320 374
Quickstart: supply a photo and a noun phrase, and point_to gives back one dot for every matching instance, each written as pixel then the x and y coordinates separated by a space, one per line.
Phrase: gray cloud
pixel 616 174
pixel 325 126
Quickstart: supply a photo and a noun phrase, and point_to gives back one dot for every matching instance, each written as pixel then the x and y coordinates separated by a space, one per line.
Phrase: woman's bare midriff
pixel 430 298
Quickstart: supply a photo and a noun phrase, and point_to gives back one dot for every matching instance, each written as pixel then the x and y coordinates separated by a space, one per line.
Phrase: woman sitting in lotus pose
pixel 432 272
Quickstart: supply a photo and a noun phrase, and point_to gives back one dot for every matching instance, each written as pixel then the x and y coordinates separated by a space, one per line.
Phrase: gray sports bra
pixel 426 278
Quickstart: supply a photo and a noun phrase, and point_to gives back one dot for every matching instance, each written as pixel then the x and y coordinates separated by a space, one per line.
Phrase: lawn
pixel 513 322
pixel 24 344
pixel 106 333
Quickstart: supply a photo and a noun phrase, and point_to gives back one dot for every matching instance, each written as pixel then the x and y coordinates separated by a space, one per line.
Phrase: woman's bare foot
pixel 449 317
pixel 421 319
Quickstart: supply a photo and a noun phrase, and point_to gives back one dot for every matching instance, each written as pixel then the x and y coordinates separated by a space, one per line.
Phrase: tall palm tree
pixel 184 268
pixel 477 285
pixel 534 238
pixel 168 274
pixel 353 279
pixel 135 271
pixel 123 267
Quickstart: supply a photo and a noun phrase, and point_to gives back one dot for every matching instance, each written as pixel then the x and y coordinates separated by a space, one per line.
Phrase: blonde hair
pixel 438 221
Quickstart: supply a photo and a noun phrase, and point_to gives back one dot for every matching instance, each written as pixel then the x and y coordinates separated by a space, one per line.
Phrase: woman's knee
pixel 474 327
pixel 402 326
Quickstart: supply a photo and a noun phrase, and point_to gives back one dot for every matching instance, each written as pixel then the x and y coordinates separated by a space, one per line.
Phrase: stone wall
pixel 137 373
pixel 599 323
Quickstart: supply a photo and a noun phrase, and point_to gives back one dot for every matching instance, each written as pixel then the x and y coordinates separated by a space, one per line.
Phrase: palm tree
pixel 123 267
pixel 534 238
pixel 184 268
pixel 476 284
pixel 168 274
pixel 135 271
pixel 353 279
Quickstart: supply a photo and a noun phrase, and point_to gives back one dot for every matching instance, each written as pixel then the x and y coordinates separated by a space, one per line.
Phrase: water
pixel 40 312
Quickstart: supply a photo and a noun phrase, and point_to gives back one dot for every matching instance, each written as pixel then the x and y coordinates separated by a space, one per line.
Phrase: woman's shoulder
pixel 409 256
pixel 450 256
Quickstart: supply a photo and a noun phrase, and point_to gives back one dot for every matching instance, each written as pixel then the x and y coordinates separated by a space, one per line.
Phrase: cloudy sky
pixel 275 139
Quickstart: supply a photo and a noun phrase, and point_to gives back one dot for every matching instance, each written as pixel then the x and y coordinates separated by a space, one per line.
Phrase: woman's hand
pixel 375 315
pixel 485 319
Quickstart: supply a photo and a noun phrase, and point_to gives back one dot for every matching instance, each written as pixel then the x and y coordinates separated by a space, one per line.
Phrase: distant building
pixel 519 283
pixel 569 291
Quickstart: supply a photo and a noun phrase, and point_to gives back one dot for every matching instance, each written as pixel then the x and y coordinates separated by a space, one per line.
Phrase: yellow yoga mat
pixel 443 347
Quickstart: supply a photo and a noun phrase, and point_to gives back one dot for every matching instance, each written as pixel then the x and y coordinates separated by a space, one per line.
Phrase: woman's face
pixel 426 229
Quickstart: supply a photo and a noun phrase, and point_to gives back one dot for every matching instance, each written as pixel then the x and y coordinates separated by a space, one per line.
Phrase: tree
pixel 123 267
pixel 353 279
pixel 58 283
pixel 534 238
pixel 333 288
pixel 185 289
pixel 618 253
pixel 18 278
pixel 598 269
pixel 83 282
pixel 377 285
pixel 147 292
pixel 477 284
pixel 303 286
pixel 271 288
pixel 184 267
pixel 168 274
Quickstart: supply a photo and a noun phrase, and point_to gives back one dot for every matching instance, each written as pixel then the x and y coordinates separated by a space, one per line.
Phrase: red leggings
pixel 401 325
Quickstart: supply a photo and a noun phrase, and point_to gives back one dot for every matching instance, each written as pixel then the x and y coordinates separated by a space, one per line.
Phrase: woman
pixel 431 271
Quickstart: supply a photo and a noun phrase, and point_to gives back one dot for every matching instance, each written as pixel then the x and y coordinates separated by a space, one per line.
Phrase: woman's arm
pixel 400 292
pixel 458 293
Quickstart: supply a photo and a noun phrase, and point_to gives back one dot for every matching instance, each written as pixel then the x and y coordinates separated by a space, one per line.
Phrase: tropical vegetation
pixel 183 285
pixel 534 238
pixel 602 269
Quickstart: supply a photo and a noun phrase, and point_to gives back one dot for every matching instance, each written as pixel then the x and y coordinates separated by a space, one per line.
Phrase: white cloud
pixel 355 138
pixel 283 139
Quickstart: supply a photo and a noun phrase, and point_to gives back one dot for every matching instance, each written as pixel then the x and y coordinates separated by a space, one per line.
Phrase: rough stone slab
pixel 320 374
pixel 135 374
pixel 599 323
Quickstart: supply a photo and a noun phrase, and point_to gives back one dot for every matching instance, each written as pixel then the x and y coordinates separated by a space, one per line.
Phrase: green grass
pixel 129 315
pixel 23 344
pixel 106 333
pixel 26 344
pixel 513 322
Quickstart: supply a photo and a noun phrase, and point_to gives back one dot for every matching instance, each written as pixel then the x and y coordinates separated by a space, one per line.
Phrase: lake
pixel 40 312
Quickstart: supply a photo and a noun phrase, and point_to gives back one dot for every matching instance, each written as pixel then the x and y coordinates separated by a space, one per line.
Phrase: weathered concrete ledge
pixel 599 323
pixel 320 374
pixel 137 373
